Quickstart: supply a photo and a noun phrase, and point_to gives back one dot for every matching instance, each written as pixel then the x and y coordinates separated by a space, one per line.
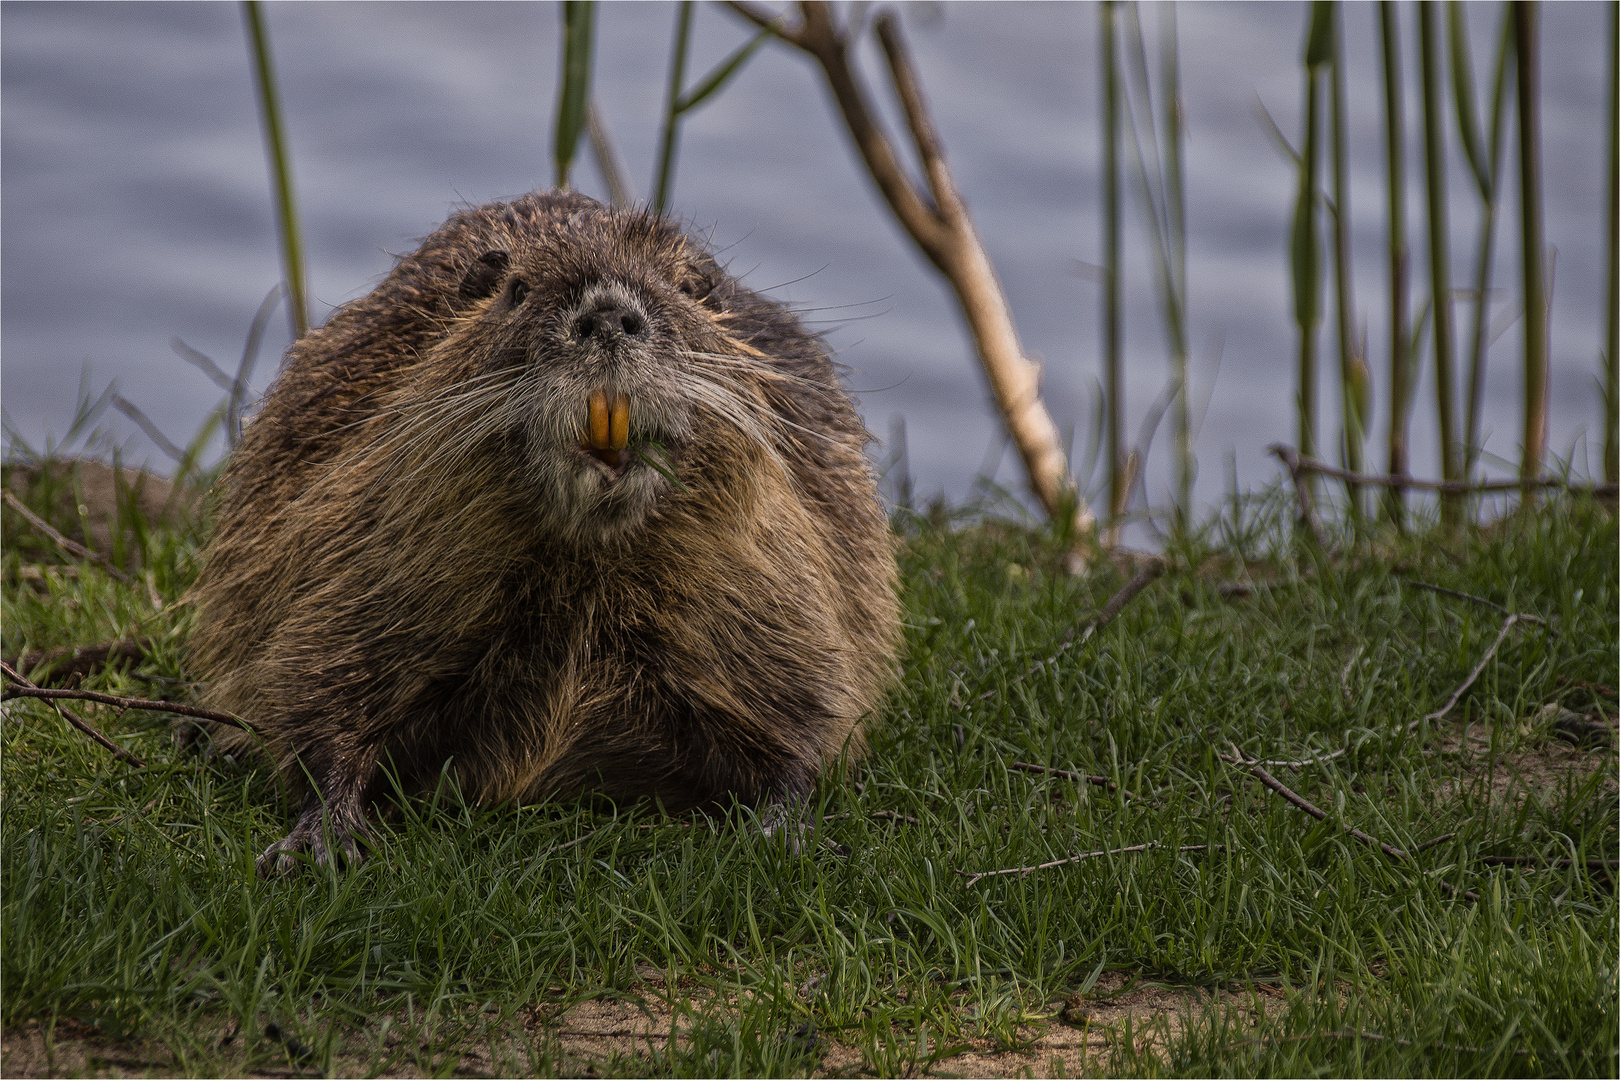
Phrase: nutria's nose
pixel 608 322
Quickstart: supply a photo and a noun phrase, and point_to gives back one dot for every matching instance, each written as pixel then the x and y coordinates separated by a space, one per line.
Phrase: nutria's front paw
pixel 309 838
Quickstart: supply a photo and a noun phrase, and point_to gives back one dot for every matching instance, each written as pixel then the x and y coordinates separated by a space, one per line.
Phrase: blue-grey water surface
pixel 136 207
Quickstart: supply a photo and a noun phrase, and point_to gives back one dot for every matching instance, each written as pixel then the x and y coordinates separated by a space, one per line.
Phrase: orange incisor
pixel 609 421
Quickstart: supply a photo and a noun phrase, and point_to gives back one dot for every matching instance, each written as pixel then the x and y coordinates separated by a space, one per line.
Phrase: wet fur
pixel 413 565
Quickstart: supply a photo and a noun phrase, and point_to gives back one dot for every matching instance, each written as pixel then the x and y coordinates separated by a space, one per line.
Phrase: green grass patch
pixel 580 936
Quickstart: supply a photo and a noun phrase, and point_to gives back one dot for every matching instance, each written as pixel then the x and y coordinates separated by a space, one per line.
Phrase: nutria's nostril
pixel 609 323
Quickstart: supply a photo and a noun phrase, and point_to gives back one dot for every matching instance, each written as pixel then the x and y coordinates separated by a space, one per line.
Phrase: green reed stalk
pixel 1355 381
pixel 671 132
pixel 1434 151
pixel 1400 260
pixel 574 90
pixel 1487 172
pixel 1527 47
pixel 1305 249
pixel 275 142
pixel 1114 383
pixel 1611 436
pixel 678 103
pixel 1176 219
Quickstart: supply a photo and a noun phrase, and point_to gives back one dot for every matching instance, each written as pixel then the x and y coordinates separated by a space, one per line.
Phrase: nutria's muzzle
pixel 608 433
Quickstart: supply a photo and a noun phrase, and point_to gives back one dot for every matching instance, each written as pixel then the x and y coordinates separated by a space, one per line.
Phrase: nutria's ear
pixel 484 275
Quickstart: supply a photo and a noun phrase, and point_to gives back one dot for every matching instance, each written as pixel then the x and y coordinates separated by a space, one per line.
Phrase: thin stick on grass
pixel 71 547
pixel 73 718
pixel 1539 862
pixel 1116 603
pixel 1298 801
pixel 1456 695
pixel 1522 617
pixel 26 689
pixel 1065 774
pixel 975 878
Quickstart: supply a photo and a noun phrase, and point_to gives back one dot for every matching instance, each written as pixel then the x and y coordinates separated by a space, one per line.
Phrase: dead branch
pixel 1301 803
pixel 1065 774
pixel 63 663
pixel 1480 600
pixel 943 229
pixel 1435 842
pixel 1450 487
pixel 1302 490
pixel 26 689
pixel 73 718
pixel 72 547
pixel 1456 694
pixel 972 879
pixel 1152 569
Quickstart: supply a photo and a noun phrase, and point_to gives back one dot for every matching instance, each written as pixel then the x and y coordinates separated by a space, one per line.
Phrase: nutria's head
pixel 592 352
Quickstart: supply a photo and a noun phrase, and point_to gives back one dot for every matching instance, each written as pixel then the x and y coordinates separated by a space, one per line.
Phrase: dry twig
pixel 972 879
pixel 1297 464
pixel 73 718
pixel 939 222
pixel 1537 619
pixel 1116 603
pixel 1302 490
pixel 1300 802
pixel 72 547
pixel 1065 774
pixel 24 688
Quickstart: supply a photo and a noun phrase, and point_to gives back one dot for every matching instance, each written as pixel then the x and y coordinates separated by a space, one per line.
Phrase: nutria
pixel 559 507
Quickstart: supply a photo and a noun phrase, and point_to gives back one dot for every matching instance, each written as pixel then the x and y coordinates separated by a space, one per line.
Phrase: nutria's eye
pixel 484 275
pixel 516 291
pixel 702 290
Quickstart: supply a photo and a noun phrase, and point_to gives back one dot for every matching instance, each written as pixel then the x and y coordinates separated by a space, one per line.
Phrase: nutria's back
pixel 563 505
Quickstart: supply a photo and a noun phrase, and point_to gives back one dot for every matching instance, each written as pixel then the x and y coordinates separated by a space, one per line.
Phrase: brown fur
pixel 416 564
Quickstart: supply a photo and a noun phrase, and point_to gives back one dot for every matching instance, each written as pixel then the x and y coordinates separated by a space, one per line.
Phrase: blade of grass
pixel 1527 52
pixel 1400 258
pixel 1439 258
pixel 292 244
pixel 574 91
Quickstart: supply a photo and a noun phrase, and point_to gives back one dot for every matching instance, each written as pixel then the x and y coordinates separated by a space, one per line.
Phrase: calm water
pixel 135 205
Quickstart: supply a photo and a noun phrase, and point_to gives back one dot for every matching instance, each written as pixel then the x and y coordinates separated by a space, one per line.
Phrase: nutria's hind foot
pixel 319 835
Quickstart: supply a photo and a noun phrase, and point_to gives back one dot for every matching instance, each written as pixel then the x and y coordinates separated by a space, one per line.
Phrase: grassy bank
pixel 575 938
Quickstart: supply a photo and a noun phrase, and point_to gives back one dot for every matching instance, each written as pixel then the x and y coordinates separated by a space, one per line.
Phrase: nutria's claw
pixel 309 841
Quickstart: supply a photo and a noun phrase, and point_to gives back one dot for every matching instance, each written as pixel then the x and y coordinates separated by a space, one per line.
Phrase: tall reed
pixel 678 102
pixel 574 91
pixel 1486 164
pixel 1527 49
pixel 1113 326
pixel 1611 367
pixel 1161 184
pixel 1355 381
pixel 1434 157
pixel 275 142
pixel 1305 247
pixel 1400 258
